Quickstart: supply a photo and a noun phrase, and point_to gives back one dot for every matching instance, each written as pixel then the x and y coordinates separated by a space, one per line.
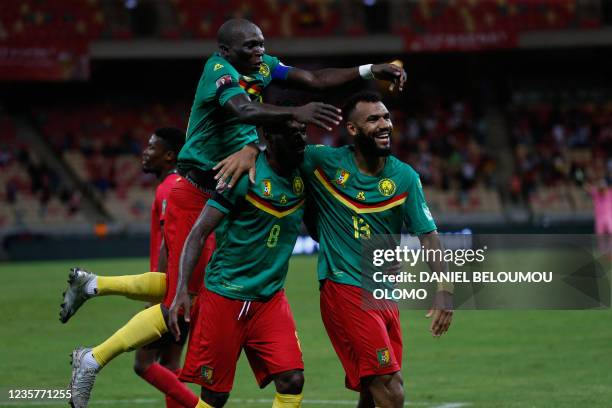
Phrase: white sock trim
pixel 92 287
pixel 90 362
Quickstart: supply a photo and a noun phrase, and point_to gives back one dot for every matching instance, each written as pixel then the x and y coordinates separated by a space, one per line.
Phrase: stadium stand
pixel 102 143
pixel 558 147
pixel 32 193
pixel 69 23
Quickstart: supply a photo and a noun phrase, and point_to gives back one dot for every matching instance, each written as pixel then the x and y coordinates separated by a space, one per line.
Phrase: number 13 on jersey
pixel 361 228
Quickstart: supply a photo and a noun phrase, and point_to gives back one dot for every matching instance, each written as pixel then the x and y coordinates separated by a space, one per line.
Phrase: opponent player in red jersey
pixel 159 362
pixel 159 158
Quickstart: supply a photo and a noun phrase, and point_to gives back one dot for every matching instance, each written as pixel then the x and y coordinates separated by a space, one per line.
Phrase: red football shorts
pixel 222 327
pixel 367 340
pixel 185 203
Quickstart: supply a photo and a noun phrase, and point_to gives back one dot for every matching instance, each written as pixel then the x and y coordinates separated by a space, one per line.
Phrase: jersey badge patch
pixel 384 357
pixel 224 80
pixel 283 199
pixel 341 177
pixel 207 374
pixel 360 196
pixel 217 67
pixel 267 188
pixel 387 187
pixel 264 69
pixel 298 185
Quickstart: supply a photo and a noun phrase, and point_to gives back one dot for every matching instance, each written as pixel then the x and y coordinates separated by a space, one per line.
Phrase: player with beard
pixel 356 192
pixel 157 363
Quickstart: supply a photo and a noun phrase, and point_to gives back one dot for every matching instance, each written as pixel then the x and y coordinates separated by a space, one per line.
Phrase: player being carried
pixel 356 192
pixel 221 136
pixel 243 305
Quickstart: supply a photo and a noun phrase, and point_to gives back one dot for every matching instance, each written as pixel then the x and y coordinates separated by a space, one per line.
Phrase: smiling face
pixel 244 49
pixel 370 125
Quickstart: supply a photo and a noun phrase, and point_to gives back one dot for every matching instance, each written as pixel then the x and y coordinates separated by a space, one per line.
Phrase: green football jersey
pixel 212 133
pixel 351 207
pixel 256 238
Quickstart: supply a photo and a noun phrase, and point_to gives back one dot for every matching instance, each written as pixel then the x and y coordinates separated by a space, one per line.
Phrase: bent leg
pixel 149 286
pixel 145 327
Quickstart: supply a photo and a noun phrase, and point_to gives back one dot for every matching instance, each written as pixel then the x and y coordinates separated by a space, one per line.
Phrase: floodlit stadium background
pixel 507 115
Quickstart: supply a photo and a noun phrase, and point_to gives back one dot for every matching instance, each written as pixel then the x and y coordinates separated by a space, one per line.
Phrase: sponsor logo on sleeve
pixel 224 80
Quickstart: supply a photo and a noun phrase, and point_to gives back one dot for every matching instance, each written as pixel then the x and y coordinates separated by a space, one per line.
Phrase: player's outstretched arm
pixel 261 114
pixel 442 309
pixel 208 219
pixel 331 77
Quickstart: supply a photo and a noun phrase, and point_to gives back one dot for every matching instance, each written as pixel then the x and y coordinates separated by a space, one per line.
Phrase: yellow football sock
pixel 143 328
pixel 202 404
pixel 149 286
pixel 287 400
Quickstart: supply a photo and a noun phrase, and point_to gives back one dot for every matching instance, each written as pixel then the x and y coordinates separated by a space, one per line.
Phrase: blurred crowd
pixel 560 144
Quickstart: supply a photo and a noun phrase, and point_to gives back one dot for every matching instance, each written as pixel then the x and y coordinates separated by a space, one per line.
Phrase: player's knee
pixel 390 385
pixel 216 399
pixel 290 382
pixel 396 388
pixel 141 367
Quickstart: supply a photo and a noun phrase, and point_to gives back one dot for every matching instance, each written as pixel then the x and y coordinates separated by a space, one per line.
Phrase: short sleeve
pixel 224 80
pixel 417 216
pixel 278 70
pixel 226 201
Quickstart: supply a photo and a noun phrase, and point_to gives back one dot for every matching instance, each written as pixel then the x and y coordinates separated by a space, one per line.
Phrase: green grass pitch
pixel 487 359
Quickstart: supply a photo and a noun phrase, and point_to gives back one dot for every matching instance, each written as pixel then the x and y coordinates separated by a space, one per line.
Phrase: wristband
pixel 446 287
pixel 365 71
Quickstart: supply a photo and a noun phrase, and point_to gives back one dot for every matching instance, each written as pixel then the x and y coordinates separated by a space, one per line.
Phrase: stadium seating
pixel 102 143
pixel 69 23
pixel 456 17
pixel 558 147
pixel 74 23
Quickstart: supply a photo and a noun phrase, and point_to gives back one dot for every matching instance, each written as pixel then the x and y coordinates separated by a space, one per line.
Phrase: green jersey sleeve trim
pixel 417 217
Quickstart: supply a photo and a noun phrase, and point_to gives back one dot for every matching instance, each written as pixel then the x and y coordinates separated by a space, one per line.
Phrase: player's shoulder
pixel 163 189
pixel 402 169
pixel 321 149
pixel 269 59
pixel 216 66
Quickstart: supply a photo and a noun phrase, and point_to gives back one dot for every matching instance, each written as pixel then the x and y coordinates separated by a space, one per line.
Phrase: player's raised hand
pixel 317 113
pixel 441 313
pixel 181 301
pixel 392 72
pixel 232 167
